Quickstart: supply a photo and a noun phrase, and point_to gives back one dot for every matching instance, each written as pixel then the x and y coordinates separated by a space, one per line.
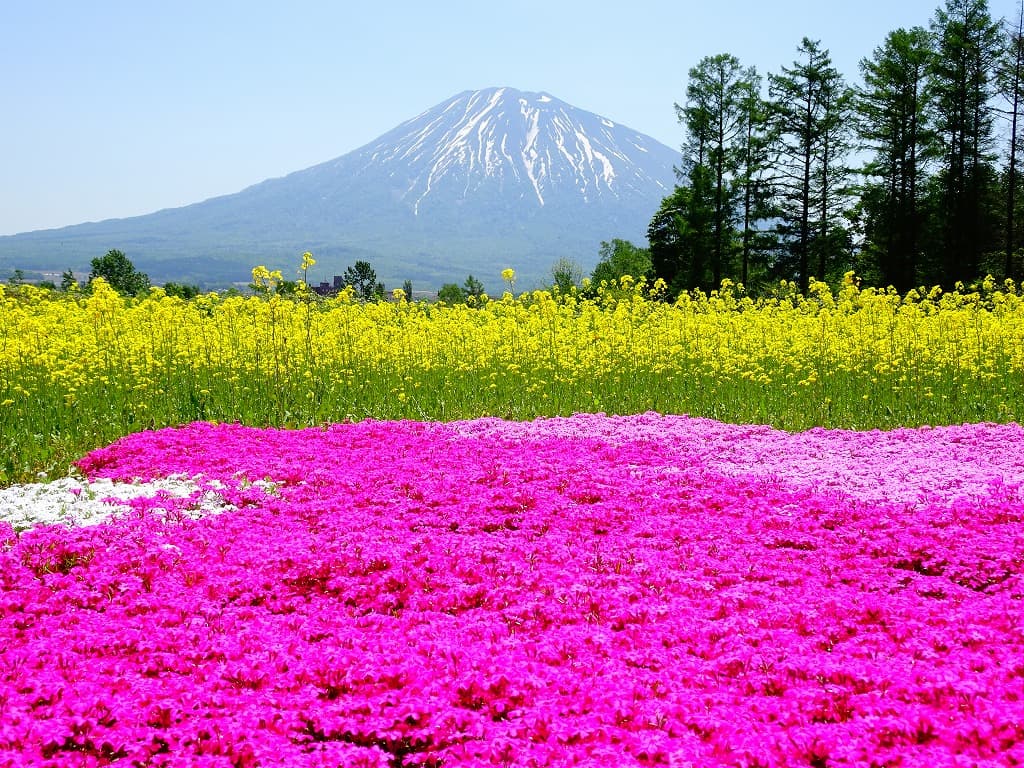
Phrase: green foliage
pixel 451 293
pixel 679 236
pixel 810 123
pixel 363 280
pixel 894 121
pixel 473 287
pixel 708 228
pixel 619 258
pixel 566 274
pixel 753 180
pixel 182 291
pixel 1010 81
pixel 67 279
pixel 716 119
pixel 967 46
pixel 120 273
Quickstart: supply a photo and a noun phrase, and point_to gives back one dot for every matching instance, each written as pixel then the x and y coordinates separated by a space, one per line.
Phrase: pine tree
pixel 809 117
pixel 473 287
pixel 696 229
pixel 716 124
pixel 893 121
pixel 752 173
pixel 678 236
pixel 962 78
pixel 1011 87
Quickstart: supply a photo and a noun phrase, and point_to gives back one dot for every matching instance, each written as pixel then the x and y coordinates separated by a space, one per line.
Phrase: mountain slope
pixel 484 180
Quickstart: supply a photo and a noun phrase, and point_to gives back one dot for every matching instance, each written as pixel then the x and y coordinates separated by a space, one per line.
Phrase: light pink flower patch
pixel 586 591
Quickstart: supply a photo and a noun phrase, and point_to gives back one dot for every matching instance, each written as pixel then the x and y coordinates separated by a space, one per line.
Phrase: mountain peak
pixel 486 179
pixel 531 145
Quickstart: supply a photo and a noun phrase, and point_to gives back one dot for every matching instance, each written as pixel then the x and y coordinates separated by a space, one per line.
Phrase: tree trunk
pixel 1011 181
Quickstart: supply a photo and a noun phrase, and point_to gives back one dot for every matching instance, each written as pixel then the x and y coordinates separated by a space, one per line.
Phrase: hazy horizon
pixel 119 110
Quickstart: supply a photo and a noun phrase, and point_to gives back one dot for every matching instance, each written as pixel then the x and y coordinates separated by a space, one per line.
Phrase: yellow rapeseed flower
pixel 289 360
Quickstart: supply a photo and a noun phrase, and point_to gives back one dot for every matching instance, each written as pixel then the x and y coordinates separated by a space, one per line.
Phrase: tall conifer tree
pixel 715 119
pixel 967 44
pixel 752 179
pixel 1011 87
pixel 809 115
pixel 894 123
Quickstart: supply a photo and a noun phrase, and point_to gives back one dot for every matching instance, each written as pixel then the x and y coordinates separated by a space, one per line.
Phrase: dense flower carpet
pixel 605 591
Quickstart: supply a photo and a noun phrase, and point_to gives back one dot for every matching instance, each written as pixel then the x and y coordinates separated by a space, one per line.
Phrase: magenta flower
pixel 583 591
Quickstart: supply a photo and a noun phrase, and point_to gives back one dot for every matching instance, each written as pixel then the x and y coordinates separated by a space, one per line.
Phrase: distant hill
pixel 485 180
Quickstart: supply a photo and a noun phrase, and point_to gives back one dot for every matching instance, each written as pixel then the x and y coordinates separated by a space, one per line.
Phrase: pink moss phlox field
pixel 583 591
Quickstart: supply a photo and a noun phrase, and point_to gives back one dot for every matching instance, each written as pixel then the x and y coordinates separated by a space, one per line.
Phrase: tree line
pixel 909 178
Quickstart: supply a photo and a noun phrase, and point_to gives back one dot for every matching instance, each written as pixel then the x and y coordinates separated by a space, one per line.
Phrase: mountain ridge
pixel 484 180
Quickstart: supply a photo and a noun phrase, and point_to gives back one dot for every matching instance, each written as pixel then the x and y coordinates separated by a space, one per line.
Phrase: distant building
pixel 334 288
pixel 329 289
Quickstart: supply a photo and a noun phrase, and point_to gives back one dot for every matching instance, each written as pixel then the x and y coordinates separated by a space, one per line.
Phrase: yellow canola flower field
pixel 77 370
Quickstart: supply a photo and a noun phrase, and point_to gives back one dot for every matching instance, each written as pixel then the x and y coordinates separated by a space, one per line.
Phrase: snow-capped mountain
pixel 485 180
pixel 530 145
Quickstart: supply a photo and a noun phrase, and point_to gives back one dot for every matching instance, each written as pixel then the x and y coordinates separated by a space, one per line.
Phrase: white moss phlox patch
pixel 75 501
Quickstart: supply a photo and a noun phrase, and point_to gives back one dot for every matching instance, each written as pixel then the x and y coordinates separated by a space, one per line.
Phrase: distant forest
pixel 910 178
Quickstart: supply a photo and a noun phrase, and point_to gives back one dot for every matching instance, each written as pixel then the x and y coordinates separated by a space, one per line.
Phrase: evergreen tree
pixel 962 78
pixel 809 117
pixel 716 123
pixel 473 287
pixel 894 122
pixel 752 170
pixel 664 234
pixel 1011 87
pixel 680 235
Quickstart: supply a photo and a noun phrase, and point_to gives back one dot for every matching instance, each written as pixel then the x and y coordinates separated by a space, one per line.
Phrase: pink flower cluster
pixel 596 591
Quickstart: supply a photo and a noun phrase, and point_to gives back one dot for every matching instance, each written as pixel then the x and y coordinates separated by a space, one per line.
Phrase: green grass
pixel 44 433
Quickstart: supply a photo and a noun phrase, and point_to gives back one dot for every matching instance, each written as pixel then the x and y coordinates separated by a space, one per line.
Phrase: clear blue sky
pixel 114 109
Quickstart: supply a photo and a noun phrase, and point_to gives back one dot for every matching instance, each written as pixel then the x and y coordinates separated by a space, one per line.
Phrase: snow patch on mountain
pixel 502 139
